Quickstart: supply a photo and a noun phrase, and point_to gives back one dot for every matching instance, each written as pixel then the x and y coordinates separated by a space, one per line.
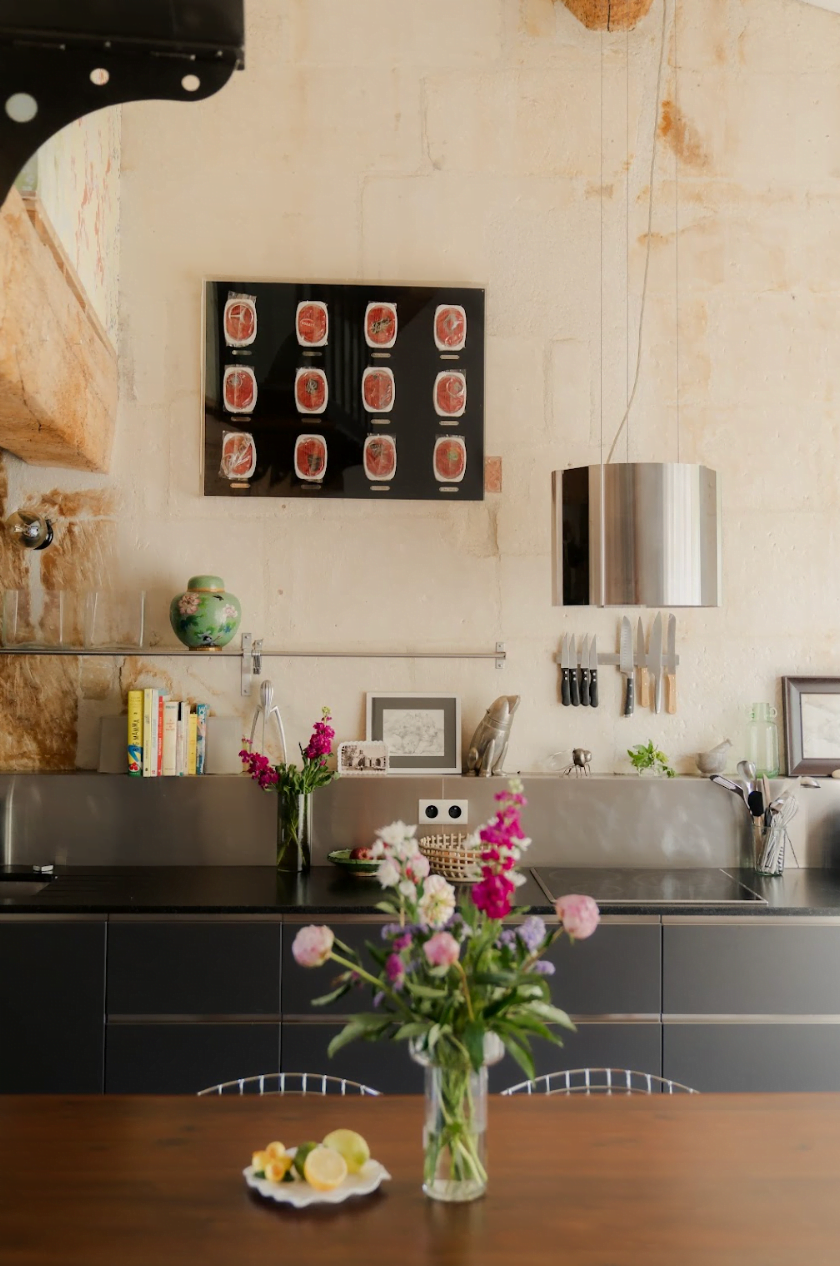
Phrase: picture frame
pixel 360 759
pixel 812 724
pixel 422 732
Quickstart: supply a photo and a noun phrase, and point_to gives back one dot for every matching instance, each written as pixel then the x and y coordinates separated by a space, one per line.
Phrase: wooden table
pixel 746 1179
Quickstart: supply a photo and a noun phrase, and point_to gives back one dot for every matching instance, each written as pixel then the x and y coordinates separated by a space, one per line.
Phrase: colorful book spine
pixel 192 742
pixel 183 728
pixel 149 710
pixel 161 705
pixel 201 737
pixel 170 738
pixel 135 733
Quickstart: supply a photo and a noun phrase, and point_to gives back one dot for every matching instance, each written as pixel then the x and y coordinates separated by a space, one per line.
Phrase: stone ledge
pixel 58 370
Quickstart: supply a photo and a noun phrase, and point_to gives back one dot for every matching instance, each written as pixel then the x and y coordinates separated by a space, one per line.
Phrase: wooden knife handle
pixel 644 688
pixel 671 693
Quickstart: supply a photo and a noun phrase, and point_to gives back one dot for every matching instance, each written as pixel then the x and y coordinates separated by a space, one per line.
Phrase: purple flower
pixel 532 933
pixel 389 930
pixel 543 968
pixel 507 939
pixel 402 942
pixel 395 970
pixel 378 999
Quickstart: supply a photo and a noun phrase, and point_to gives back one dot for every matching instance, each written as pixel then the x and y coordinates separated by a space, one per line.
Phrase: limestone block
pixel 608 15
pixel 58 372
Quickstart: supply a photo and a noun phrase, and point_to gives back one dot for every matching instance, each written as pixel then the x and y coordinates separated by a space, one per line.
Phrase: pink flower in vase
pixel 442 950
pixel 579 915
pixel 312 945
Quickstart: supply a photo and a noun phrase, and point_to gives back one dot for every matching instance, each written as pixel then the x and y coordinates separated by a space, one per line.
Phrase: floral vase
pixel 455 1126
pixel 294 832
pixel 206 617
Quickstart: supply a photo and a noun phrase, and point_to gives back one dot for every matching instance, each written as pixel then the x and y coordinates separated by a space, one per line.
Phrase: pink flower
pixel 441 950
pixel 395 970
pixel 311 947
pixel 494 895
pixel 579 915
pixel 320 744
pixel 417 868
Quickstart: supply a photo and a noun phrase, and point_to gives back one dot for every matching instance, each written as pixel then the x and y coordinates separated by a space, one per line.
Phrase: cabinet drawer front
pixel 753 1057
pixel 302 984
pixel 181 1059
pixel 634 1046
pixel 615 972
pixel 193 968
pixel 767 969
pixel 383 1066
pixel 52 1007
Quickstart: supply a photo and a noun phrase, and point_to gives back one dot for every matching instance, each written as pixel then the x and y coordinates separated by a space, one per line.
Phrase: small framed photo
pixel 422 732
pixel 359 758
pixel 812 724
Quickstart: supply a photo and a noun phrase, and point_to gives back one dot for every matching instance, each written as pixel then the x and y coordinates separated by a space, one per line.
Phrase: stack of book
pixel 166 737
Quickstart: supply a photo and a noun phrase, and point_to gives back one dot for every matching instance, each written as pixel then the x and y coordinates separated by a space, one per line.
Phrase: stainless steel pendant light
pixel 638 533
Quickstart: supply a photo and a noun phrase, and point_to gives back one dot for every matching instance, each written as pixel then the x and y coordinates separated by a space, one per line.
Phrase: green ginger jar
pixel 206 617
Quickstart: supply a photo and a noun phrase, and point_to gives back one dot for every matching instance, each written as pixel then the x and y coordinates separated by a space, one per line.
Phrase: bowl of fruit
pixel 359 862
pixel 316 1173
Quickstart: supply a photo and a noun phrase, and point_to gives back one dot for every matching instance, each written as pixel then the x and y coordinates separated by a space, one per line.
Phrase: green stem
pixel 379 985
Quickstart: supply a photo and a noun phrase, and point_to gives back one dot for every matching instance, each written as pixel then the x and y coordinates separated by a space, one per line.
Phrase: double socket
pixel 445 812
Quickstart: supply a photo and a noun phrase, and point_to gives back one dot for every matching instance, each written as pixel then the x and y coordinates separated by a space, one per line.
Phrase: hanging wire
pixel 643 303
pixel 601 309
pixel 677 116
pixel 627 235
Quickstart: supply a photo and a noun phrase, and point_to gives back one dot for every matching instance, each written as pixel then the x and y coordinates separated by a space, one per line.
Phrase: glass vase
pixel 294 832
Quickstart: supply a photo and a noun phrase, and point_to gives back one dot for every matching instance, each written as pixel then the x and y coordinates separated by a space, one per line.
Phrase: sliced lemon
pixel 276 1170
pixel 325 1169
pixel 351 1146
pixel 275 1151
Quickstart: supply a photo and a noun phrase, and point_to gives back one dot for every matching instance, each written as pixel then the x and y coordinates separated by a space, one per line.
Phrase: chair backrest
pixel 290 1084
pixel 599 1081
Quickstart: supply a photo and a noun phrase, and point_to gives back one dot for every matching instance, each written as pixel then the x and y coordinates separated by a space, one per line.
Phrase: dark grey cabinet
pixel 384 1066
pixel 52 1005
pixel 616 972
pixel 302 984
pixel 185 1058
pixel 634 1046
pixel 728 1056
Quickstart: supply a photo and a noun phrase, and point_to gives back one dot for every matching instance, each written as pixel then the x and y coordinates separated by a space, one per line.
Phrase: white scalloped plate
pixel 300 1194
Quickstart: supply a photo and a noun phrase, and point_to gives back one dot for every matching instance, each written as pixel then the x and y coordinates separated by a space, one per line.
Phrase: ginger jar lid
pixel 206 584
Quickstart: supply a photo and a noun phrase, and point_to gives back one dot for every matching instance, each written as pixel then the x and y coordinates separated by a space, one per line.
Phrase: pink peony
pixel 417 867
pixel 579 915
pixel 311 947
pixel 441 950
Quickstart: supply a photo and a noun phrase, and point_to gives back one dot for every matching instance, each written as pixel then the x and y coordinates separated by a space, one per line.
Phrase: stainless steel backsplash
pixel 105 820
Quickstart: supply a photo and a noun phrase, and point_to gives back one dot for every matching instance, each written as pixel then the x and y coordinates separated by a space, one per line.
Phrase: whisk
pixel 771 860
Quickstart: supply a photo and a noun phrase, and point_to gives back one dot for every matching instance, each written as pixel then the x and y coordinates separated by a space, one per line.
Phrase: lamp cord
pixel 642 306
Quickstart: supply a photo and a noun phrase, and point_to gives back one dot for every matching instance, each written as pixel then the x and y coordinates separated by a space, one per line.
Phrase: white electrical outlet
pixel 443 812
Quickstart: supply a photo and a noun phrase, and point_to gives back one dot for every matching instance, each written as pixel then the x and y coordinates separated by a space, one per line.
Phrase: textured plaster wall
pixel 409 141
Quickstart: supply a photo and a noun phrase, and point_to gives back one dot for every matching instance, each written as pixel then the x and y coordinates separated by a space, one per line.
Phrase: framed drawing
pixel 368 391
pixel 812 724
pixel 362 759
pixel 422 732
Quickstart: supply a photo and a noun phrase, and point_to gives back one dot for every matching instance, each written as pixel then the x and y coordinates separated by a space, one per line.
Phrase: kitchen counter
pixel 241 890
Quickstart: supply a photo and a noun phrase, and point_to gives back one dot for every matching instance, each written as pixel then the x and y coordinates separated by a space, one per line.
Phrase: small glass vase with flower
pixel 457 984
pixel 294 787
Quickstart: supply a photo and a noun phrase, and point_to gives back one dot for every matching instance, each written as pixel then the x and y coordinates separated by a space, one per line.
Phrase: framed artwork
pixel 359 758
pixel 422 732
pixel 366 391
pixel 812 724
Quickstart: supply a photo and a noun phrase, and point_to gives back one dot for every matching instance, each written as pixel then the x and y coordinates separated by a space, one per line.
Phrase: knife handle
pixel 657 692
pixel 584 686
pixel 644 687
pixel 564 688
pixel 671 693
pixel 630 696
pixel 593 687
pixel 573 685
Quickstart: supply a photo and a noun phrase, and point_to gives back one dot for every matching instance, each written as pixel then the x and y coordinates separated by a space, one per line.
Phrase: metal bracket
pixel 251 661
pixel 501 655
pixel 60 61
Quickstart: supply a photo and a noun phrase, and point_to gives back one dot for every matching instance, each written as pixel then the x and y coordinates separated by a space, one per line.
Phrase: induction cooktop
pixel 626 887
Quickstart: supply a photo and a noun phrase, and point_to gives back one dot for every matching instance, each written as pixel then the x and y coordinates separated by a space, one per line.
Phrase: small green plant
pixel 646 756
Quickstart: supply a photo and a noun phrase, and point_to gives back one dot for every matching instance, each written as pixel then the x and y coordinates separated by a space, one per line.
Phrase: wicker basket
pixel 448 856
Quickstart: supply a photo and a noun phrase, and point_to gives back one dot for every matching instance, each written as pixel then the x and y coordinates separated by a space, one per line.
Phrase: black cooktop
pixel 646 887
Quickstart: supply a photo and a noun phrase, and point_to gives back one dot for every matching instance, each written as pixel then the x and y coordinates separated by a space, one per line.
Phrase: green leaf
pixel 552 1015
pixel 474 1042
pixel 388 907
pixel 349 1033
pixel 327 998
pixel 425 991
pixel 520 1052
pixel 415 1028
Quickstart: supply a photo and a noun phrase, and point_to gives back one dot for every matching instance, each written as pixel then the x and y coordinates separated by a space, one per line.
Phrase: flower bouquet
pixel 294 789
pixel 457 984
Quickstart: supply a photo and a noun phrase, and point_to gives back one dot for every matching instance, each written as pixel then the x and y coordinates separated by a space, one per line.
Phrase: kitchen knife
pixel 654 661
pixel 573 674
pixel 593 673
pixel 671 666
pixel 641 657
pixel 625 665
pixel 565 665
pixel 584 673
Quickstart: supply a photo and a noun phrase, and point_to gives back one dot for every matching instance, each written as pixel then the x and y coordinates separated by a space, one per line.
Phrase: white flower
pixel 517 879
pixel 407 888
pixel 417 867
pixel 396 833
pixel 377 848
pixel 388 873
pixel 437 904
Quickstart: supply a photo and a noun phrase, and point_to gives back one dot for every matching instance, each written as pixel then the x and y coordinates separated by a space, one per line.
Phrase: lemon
pixel 275 1151
pixel 351 1146
pixel 276 1170
pixel 324 1169
pixel 259 1160
pixel 301 1155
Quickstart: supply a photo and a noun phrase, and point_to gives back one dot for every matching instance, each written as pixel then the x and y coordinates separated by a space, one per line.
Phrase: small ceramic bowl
pixel 359 869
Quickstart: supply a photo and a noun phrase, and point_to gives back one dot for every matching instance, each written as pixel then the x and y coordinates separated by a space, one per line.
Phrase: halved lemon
pixel 325 1169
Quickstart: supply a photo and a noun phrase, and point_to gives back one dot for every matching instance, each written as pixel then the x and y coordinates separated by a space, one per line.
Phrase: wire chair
pixel 599 1081
pixel 290 1084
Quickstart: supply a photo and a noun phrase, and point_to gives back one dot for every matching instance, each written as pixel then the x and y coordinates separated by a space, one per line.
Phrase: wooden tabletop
pixel 750 1180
